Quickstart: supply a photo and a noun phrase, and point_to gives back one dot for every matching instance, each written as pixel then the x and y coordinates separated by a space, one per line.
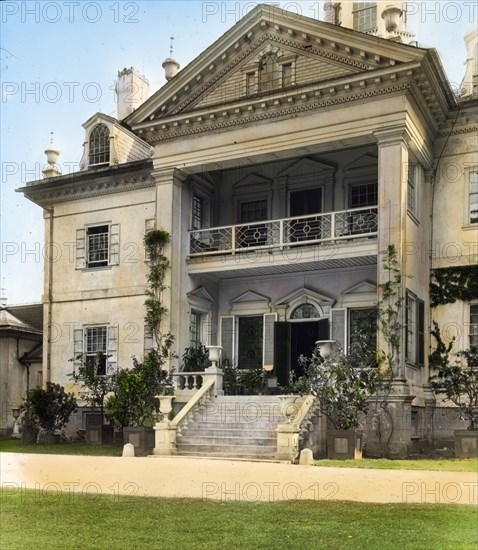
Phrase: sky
pixel 58 64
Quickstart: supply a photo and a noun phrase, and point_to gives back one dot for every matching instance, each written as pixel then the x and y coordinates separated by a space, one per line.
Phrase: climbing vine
pixel 449 284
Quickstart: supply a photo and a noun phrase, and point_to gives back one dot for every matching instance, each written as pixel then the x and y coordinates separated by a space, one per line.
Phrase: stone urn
pixel 325 347
pixel 214 354
pixel 165 403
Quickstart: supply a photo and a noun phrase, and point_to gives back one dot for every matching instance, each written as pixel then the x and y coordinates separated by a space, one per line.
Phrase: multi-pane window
pixel 198 212
pixel 411 189
pixel 251 83
pixel 415 327
pixel 474 326
pixel 195 329
pixel 474 196
pixel 97 246
pixel 365 16
pixel 363 325
pixel 286 74
pixel 99 145
pixel 364 194
pixel 250 342
pixel 96 339
pixel 253 211
pixel 268 73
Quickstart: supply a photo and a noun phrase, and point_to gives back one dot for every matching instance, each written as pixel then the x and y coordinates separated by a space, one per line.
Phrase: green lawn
pixel 16 446
pixel 31 519
pixel 446 465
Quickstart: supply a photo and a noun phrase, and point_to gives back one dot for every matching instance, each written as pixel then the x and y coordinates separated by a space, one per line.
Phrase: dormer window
pixel 99 145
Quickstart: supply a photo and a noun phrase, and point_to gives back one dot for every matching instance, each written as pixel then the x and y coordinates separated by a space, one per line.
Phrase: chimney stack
pixel 132 90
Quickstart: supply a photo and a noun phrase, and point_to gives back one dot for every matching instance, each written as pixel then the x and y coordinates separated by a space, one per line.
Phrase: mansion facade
pixel 283 161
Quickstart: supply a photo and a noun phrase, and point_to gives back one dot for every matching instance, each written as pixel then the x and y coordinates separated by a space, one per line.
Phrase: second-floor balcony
pixel 314 229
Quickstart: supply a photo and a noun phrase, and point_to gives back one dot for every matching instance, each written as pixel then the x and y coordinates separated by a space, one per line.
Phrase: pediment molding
pixel 306 166
pixel 249 296
pixel 305 295
pixel 309 37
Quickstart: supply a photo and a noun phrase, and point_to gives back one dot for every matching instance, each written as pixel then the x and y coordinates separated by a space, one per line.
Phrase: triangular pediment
pixel 363 294
pixel 313 61
pixel 303 296
pixel 202 294
pixel 249 296
pixel 252 180
pixel 361 288
pixel 364 161
pixel 309 167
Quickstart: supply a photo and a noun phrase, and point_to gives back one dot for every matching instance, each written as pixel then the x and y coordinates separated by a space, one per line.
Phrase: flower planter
pixel 49 438
pixel 96 432
pixel 29 435
pixel 141 438
pixel 466 443
pixel 344 444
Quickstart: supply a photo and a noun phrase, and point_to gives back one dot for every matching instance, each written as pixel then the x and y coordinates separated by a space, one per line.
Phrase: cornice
pixel 77 187
pixel 277 107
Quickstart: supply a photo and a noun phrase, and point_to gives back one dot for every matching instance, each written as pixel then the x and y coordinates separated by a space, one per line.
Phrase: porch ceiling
pixel 249 265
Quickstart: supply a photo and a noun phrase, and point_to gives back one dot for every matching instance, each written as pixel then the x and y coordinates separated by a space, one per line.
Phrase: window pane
pixel 364 321
pixel 250 342
pixel 364 195
pixel 195 329
pixel 473 197
pixel 98 248
pixel 197 212
pixel 96 343
pixel 474 325
pixel 99 145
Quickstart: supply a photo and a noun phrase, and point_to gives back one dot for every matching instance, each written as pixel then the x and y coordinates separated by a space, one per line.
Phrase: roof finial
pixel 3 297
pixel 170 65
pixel 52 153
pixel 171 46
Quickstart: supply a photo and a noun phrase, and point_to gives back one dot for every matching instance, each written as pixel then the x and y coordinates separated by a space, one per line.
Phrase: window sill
pixel 470 227
pixel 414 366
pixel 99 268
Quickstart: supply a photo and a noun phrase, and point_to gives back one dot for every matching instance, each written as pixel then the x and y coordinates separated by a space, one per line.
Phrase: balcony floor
pixel 268 261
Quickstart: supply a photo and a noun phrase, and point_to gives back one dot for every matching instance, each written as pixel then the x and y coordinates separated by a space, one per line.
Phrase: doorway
pixel 303 337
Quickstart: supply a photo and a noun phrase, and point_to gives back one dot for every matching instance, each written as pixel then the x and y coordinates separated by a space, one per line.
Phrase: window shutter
pixel 282 353
pixel 268 338
pixel 112 350
pixel 114 244
pixel 227 338
pixel 421 333
pixel 77 347
pixel 80 249
pixel 338 327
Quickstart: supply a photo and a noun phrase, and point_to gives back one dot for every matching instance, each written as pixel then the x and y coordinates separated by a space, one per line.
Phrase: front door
pixel 291 340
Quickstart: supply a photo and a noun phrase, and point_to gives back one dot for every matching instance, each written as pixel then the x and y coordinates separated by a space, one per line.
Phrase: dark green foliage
pixel 196 359
pixel 390 307
pixel 449 284
pixel 154 242
pixel 134 402
pixel 456 377
pixel 49 408
pixel 342 383
pixel 94 387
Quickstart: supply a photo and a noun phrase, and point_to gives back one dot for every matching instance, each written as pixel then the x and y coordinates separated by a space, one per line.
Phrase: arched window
pixel 268 73
pixel 99 145
pixel 305 311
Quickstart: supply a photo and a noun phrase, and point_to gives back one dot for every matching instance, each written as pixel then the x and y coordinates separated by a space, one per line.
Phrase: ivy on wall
pixel 449 284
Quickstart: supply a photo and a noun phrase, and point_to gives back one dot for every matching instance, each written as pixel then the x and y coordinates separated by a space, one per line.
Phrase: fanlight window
pixel 305 311
pixel 99 145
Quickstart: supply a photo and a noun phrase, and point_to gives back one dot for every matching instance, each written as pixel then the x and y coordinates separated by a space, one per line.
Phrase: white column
pixel 169 218
pixel 392 198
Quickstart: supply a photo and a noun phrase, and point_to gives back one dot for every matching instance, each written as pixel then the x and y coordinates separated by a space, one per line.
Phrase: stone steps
pixel 233 427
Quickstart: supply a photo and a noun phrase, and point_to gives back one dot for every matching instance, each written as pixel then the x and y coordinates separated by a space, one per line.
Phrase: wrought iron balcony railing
pixel 301 230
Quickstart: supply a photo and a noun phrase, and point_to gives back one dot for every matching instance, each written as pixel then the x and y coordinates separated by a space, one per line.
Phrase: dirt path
pixel 230 480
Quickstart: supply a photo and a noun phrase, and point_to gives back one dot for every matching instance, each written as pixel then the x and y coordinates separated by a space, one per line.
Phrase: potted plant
pixel 50 409
pixel 134 403
pixel 195 359
pixel 252 380
pixel 342 384
pixel 29 426
pixel 94 390
pixel 455 377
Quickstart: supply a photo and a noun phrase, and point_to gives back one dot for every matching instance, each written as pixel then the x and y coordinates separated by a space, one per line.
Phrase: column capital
pixel 163 176
pixel 390 136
